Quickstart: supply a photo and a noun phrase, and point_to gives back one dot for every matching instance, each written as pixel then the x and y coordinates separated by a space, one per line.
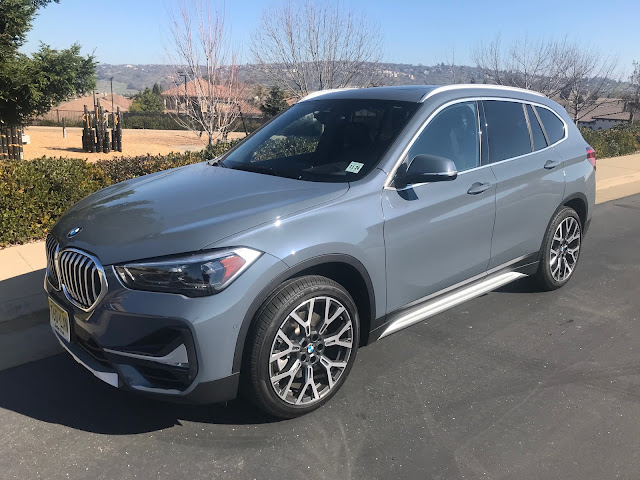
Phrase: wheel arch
pixel 344 269
pixel 577 201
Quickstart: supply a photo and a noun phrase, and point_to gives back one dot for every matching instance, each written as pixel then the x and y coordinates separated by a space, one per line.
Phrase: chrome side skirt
pixel 434 306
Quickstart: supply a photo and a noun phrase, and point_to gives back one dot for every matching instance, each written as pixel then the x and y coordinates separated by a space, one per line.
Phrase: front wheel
pixel 303 346
pixel 560 250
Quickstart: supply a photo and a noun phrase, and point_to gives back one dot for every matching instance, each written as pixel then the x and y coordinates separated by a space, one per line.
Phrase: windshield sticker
pixel 354 167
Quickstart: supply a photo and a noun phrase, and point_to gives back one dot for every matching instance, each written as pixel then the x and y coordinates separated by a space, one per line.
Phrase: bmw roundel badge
pixel 73 232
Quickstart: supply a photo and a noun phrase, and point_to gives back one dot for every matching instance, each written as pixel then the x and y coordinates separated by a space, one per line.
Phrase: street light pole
pixel 112 109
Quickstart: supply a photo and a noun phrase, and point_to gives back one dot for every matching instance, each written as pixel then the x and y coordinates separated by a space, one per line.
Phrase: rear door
pixel 438 234
pixel 530 179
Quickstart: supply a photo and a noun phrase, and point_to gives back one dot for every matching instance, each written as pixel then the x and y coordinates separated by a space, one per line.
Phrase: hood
pixel 183 210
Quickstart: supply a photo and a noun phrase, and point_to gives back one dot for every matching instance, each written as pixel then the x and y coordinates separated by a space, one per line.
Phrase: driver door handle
pixel 551 164
pixel 478 187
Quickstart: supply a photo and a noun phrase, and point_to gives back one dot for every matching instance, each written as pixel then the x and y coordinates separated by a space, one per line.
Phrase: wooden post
pixel 64 128
pixel 3 137
pixel 11 142
pixel 20 145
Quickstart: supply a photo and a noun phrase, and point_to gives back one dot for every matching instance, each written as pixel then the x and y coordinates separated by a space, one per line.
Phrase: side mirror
pixel 426 168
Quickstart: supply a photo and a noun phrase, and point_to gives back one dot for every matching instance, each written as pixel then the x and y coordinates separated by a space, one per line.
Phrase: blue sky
pixel 414 31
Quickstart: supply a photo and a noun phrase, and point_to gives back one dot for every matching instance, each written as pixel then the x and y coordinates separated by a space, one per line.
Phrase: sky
pixel 427 32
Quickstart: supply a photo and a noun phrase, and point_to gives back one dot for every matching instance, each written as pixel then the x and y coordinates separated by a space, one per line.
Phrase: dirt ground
pixel 48 141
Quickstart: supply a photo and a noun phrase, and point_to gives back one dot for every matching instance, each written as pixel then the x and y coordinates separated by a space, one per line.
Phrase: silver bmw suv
pixel 352 215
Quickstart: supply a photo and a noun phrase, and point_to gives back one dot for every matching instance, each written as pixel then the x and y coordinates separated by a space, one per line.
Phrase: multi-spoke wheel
pixel 560 250
pixel 305 341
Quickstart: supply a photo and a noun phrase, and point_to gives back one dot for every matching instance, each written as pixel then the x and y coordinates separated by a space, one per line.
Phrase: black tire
pixel 274 315
pixel 545 277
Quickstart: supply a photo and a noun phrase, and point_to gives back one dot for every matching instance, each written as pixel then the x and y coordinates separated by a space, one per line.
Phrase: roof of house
pixel 607 109
pixel 198 86
pixel 78 104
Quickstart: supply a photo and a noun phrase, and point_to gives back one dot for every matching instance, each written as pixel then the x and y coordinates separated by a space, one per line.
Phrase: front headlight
pixel 195 275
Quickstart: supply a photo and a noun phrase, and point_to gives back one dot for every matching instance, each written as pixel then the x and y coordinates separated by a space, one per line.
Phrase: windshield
pixel 324 140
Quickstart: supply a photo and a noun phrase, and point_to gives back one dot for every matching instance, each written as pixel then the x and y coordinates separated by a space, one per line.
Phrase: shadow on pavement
pixel 58 390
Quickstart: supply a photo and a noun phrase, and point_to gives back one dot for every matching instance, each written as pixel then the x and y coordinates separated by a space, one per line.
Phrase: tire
pixel 560 250
pixel 293 365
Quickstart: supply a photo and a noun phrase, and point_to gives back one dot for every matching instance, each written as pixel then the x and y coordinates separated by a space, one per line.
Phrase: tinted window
pixel 552 124
pixel 452 134
pixel 539 141
pixel 323 140
pixel 507 130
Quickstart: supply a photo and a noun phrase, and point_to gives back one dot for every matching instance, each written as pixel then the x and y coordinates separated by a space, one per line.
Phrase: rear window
pixel 552 125
pixel 507 130
pixel 539 141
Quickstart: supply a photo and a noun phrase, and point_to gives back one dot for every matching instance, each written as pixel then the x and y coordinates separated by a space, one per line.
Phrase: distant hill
pixel 129 79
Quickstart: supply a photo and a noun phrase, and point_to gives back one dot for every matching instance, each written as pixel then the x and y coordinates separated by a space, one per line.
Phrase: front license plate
pixel 59 319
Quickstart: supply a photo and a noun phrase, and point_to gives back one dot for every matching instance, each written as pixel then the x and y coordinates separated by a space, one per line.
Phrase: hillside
pixel 128 79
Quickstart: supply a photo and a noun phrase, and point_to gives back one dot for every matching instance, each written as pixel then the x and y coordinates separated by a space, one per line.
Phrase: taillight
pixel 591 156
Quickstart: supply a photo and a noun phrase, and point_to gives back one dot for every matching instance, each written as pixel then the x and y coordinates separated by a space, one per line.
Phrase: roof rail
pixel 322 92
pixel 462 86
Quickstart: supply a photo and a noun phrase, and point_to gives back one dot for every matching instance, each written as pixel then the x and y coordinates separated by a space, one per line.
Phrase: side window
pixel 452 134
pixel 507 130
pixel 552 125
pixel 539 142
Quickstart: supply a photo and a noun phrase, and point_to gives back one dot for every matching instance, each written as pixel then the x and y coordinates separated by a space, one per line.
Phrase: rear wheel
pixel 304 344
pixel 560 250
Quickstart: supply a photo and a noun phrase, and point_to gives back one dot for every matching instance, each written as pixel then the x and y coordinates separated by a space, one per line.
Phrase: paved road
pixel 515 384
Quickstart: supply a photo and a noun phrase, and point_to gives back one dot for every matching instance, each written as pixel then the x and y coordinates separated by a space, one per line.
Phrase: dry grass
pixel 48 141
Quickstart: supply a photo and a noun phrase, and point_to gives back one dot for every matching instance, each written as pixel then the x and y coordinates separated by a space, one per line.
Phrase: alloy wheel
pixel 311 350
pixel 565 248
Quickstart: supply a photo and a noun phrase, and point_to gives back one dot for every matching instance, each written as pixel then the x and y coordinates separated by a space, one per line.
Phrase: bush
pixel 124 168
pixel 620 140
pixel 35 193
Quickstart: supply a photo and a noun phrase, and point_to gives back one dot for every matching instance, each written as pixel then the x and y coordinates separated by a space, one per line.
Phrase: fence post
pixel 3 136
pixel 58 113
pixel 20 145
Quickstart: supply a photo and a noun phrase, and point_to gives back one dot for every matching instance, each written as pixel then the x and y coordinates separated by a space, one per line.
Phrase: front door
pixel 439 234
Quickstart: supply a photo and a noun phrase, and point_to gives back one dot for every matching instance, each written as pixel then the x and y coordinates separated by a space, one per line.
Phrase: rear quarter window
pixel 552 125
pixel 507 130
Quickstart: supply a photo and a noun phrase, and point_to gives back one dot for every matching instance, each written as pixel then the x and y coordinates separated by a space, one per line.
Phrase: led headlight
pixel 195 275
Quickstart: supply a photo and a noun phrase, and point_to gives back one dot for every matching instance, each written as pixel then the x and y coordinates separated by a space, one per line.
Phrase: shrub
pixel 124 168
pixel 35 193
pixel 614 142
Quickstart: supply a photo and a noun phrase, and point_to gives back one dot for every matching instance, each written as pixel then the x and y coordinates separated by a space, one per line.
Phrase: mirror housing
pixel 425 169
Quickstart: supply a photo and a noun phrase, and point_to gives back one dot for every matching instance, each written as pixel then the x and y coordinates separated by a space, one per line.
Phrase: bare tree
pixel 205 76
pixel 632 100
pixel 590 82
pixel 535 65
pixel 311 45
pixel 581 78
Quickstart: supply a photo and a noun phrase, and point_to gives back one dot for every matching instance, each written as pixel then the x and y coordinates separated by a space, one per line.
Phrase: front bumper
pixel 165 345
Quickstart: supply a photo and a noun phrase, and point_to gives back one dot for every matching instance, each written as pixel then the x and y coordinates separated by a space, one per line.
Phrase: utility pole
pixel 112 108
pixel 184 75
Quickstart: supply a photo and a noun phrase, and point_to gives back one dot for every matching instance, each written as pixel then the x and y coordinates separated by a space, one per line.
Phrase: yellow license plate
pixel 59 319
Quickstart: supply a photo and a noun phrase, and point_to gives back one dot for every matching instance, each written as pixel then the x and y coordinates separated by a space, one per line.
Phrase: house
pixel 192 92
pixel 607 114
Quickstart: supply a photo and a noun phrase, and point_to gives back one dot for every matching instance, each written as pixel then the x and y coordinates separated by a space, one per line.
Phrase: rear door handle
pixel 478 187
pixel 551 164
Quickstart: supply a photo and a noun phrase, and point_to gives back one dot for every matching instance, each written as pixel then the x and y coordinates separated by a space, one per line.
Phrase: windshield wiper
pixel 216 162
pixel 252 167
